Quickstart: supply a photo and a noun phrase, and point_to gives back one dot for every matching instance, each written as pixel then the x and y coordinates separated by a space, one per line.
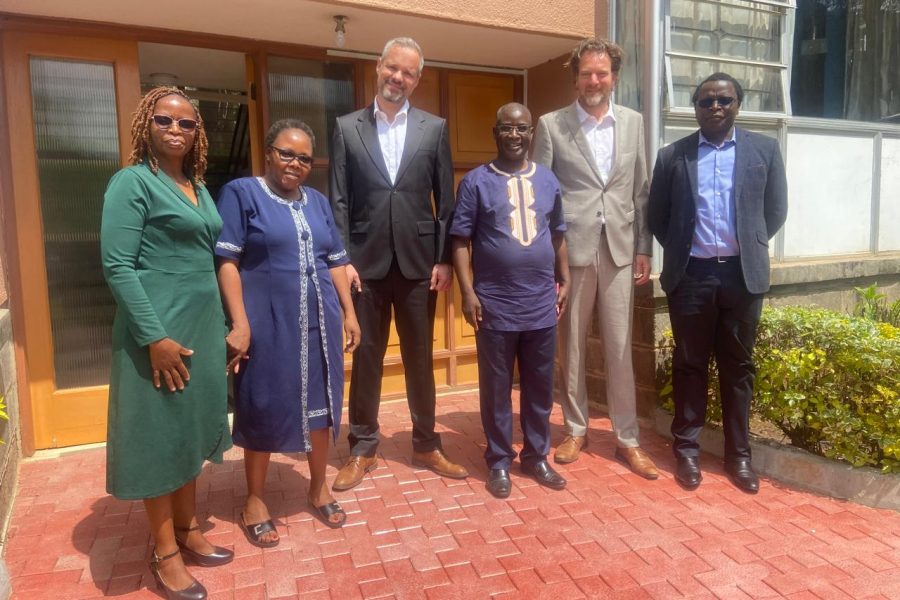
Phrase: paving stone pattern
pixel 412 534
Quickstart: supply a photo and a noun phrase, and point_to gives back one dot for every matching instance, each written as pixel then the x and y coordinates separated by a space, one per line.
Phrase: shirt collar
pixel 731 138
pixel 380 114
pixel 583 115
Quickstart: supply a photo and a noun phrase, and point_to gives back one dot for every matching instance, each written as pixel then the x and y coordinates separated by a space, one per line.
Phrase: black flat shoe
pixel 544 474
pixel 498 483
pixel 195 591
pixel 218 557
pixel 741 475
pixel 688 473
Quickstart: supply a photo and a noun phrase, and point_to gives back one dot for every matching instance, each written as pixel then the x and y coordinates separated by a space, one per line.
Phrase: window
pixel 845 60
pixel 741 38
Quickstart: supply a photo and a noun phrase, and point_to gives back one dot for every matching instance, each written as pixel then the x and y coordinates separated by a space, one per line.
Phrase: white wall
pixel 829 194
pixel 889 216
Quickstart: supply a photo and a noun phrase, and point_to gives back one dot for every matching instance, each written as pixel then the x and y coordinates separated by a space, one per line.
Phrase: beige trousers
pixel 611 289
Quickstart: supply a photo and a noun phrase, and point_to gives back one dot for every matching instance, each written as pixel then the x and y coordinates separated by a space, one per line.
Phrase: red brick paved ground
pixel 411 534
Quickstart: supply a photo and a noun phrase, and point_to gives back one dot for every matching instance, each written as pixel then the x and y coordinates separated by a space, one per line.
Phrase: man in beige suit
pixel 596 150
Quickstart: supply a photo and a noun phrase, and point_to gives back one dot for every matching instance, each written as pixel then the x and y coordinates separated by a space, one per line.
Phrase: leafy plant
pixel 830 382
pixel 873 305
pixel 3 413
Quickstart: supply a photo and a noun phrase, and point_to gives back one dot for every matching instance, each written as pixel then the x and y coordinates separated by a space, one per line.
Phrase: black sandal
pixel 325 512
pixel 219 556
pixel 255 532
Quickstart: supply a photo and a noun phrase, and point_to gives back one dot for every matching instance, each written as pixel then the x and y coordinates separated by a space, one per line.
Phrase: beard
pixel 595 99
pixel 394 97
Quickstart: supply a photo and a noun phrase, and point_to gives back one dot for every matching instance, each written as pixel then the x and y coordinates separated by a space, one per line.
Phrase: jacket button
pixel 310 270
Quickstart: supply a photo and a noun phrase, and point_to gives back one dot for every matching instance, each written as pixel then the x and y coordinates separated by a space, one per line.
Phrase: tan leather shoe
pixel 638 461
pixel 353 472
pixel 569 449
pixel 438 462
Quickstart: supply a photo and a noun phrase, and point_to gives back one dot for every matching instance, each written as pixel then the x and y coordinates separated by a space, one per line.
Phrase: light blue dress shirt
pixel 715 231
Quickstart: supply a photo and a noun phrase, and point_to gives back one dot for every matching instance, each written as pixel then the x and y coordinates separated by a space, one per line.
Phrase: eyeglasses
pixel 508 129
pixel 165 121
pixel 286 156
pixel 722 101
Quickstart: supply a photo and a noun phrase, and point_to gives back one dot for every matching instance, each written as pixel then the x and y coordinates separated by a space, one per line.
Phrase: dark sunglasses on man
pixel 722 101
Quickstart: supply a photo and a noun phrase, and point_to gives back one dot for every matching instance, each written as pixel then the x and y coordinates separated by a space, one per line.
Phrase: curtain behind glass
pixel 872 81
pixel 629 32
pixel 76 138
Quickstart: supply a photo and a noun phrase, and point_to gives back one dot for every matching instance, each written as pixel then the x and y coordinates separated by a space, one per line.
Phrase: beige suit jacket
pixel 560 145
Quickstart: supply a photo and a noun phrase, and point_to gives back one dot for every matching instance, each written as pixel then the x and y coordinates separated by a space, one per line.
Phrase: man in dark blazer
pixel 716 199
pixel 389 161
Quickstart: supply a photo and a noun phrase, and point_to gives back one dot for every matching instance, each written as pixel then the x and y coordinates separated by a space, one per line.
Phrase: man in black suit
pixel 388 162
pixel 716 199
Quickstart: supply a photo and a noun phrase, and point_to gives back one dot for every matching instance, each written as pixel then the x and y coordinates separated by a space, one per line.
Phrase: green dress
pixel 157 251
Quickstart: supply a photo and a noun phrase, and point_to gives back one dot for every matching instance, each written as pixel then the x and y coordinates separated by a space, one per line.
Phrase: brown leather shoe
pixel 638 461
pixel 438 462
pixel 569 449
pixel 353 472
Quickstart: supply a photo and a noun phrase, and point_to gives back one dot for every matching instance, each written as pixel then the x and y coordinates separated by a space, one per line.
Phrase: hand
pixel 237 342
pixel 353 279
pixel 471 308
pixel 165 360
pixel 441 278
pixel 562 297
pixel 352 333
pixel 641 268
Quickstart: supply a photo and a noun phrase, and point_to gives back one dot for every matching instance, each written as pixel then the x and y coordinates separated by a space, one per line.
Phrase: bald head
pixel 513 111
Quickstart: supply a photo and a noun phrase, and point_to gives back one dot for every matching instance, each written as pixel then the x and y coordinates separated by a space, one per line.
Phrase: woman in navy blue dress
pixel 283 281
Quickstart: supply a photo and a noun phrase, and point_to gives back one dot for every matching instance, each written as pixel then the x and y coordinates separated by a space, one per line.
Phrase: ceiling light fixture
pixel 339 30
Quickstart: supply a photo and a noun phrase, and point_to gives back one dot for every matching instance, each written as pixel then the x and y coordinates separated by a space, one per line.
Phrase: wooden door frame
pixel 24 229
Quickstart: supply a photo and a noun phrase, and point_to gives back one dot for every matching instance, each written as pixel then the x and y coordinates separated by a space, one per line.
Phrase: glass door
pixel 69 102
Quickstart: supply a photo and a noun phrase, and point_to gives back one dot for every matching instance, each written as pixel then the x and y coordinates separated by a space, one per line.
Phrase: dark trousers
pixel 711 311
pixel 413 307
pixel 497 353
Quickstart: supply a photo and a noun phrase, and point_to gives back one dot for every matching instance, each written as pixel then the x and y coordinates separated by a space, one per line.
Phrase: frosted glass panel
pixel 76 137
pixel 314 91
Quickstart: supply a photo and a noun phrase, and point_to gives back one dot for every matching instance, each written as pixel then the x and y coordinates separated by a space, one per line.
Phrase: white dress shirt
pixel 391 137
pixel 600 135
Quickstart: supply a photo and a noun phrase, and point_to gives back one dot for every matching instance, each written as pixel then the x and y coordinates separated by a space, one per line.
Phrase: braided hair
pixel 141 149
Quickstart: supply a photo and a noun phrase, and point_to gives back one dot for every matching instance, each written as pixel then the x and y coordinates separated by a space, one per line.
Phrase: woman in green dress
pixel 167 396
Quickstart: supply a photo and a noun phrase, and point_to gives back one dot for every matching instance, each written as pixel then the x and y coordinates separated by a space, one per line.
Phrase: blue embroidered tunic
pixel 293 382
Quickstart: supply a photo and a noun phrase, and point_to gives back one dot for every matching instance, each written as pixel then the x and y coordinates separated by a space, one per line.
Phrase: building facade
pixel 821 76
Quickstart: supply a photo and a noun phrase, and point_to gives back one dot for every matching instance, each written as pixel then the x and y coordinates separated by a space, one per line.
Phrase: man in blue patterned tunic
pixel 510 210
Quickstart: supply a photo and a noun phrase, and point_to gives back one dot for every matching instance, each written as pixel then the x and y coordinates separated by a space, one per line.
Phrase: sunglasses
pixel 286 156
pixel 508 129
pixel 165 121
pixel 722 101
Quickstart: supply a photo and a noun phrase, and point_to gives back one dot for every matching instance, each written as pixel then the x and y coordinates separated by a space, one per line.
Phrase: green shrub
pixel 830 382
pixel 873 305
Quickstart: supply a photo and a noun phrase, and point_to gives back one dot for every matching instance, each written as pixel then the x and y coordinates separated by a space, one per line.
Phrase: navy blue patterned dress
pixel 293 382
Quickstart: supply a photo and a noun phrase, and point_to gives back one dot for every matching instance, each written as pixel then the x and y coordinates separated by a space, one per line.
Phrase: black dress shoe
pixel 688 473
pixel 498 483
pixel 741 475
pixel 544 474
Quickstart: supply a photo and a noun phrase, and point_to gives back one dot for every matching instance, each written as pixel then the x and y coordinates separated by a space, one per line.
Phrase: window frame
pixel 786 13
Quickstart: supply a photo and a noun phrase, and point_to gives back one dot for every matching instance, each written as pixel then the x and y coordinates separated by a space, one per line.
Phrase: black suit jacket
pixel 760 192
pixel 377 218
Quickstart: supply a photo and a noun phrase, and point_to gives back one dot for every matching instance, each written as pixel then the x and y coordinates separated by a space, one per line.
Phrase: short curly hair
pixel 614 52
pixel 285 124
